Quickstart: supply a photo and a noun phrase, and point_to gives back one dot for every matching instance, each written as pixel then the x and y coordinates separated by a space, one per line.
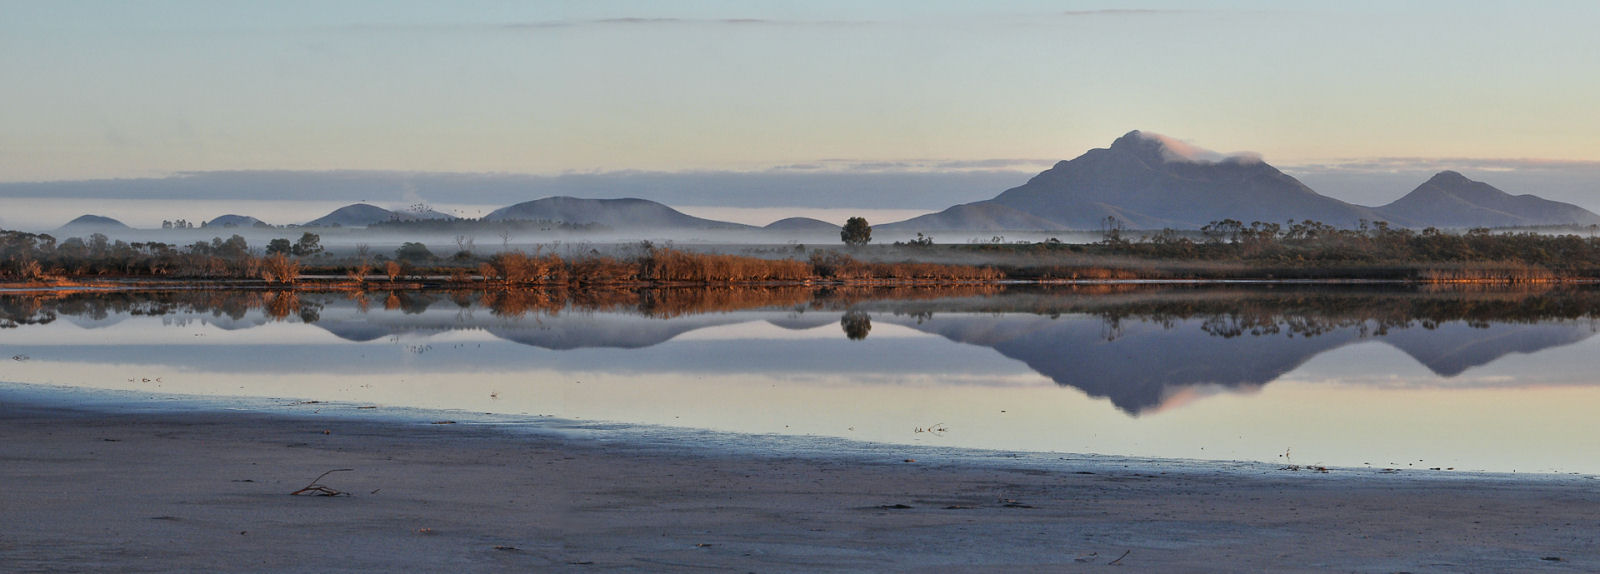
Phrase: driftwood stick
pixel 320 490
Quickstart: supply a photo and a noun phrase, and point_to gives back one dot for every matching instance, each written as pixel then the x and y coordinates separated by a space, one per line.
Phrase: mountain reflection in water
pixel 1141 347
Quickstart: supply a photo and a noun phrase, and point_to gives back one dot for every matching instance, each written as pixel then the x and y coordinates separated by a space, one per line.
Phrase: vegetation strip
pixel 1222 250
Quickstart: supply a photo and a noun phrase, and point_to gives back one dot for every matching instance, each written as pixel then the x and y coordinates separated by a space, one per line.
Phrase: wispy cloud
pixel 627 20
pixel 996 163
pixel 673 21
pixel 863 184
pixel 1124 12
pixel 1414 164
pixel 1176 150
pixel 614 22
pixel 838 165
pixel 664 22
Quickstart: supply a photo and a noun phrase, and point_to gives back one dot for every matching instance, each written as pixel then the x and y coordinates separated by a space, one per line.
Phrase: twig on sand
pixel 314 489
pixel 1119 558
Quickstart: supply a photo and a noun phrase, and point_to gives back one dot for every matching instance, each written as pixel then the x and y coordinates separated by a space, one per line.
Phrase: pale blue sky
pixel 138 89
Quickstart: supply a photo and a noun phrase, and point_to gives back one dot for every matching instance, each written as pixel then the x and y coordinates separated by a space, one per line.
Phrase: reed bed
pixel 1490 272
pixel 676 266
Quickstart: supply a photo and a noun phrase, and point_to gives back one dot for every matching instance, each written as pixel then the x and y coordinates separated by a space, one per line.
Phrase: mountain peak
pixel 1172 150
pixel 1149 181
pixel 1454 184
pixel 1131 140
pixel 1149 145
pixel 1450 199
pixel 94 221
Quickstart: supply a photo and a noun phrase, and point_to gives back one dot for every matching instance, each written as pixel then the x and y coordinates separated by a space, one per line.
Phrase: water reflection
pixel 1141 361
pixel 1143 348
pixel 1484 378
pixel 857 324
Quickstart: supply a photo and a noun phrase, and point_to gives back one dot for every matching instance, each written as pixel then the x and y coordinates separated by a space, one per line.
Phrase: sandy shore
pixel 93 491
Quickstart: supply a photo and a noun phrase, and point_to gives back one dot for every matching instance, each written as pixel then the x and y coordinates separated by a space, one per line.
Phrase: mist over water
pixel 293 197
pixel 47 214
pixel 481 240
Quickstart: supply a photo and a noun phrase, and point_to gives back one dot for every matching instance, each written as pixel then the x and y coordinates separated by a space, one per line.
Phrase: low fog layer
pixel 474 195
pixel 344 241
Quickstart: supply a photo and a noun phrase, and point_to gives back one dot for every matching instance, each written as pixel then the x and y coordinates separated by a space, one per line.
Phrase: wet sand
pixel 91 491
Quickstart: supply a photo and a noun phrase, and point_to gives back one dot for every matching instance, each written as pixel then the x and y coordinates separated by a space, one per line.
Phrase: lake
pixel 1379 376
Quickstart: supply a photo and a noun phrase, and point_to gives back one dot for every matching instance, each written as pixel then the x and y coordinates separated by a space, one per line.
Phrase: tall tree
pixel 856 231
pixel 309 244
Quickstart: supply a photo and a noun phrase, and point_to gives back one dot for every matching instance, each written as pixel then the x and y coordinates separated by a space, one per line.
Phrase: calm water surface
pixel 1410 378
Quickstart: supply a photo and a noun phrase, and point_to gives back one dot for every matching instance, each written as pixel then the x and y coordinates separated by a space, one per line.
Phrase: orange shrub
pixel 671 265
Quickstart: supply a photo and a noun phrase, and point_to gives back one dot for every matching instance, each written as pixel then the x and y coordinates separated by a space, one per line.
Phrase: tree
pixel 1228 229
pixel 414 252
pixel 856 232
pixel 309 244
pixel 73 247
pixel 856 325
pixel 920 241
pixel 1111 230
pixel 99 243
pixel 234 246
pixel 278 246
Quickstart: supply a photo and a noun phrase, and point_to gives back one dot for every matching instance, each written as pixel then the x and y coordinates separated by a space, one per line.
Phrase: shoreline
pixel 692 441
pixel 102 489
pixel 339 285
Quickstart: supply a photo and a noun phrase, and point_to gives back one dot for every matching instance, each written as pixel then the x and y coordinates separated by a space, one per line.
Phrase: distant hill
pixel 1450 199
pixel 353 215
pixel 362 215
pixel 981 216
pixel 802 225
pixel 231 220
pixel 1149 181
pixel 622 214
pixel 94 223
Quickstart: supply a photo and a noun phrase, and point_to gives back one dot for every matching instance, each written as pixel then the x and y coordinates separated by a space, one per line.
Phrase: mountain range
pixel 1150 181
pixel 1142 181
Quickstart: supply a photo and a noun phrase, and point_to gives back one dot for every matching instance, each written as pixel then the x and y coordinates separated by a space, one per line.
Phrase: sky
pixel 1362 100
